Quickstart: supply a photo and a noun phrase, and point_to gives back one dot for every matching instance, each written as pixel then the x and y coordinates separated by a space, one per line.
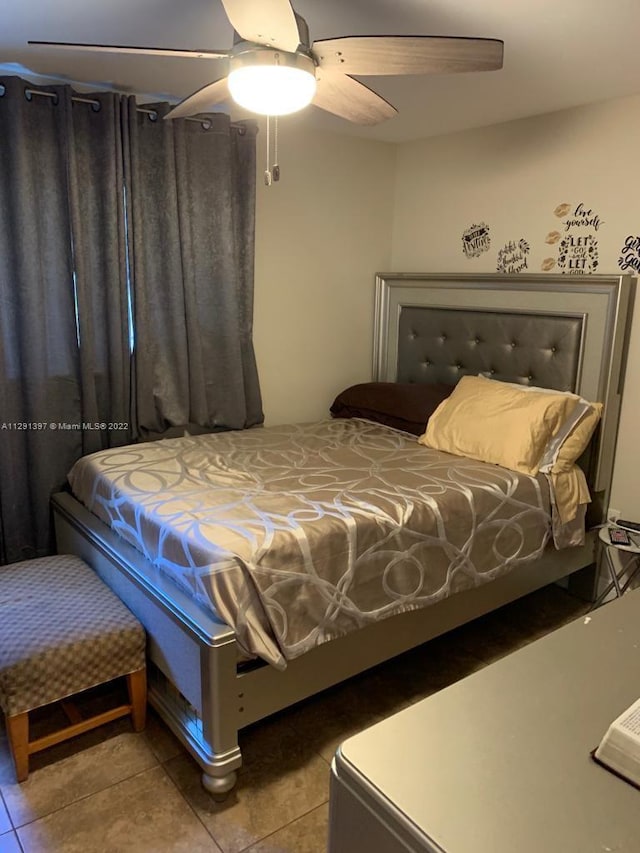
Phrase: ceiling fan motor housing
pixel 271 81
pixel 247 53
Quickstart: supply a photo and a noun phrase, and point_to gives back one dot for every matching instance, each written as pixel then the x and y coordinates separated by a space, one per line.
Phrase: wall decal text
pixel 578 254
pixel 577 241
pixel 582 218
pixel 476 240
pixel 512 257
pixel 630 254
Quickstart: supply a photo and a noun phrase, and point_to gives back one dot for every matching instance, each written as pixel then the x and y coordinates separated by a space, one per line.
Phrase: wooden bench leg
pixel 18 733
pixel 137 687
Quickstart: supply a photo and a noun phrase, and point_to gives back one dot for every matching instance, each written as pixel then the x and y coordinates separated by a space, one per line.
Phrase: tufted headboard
pixel 563 332
pixel 442 344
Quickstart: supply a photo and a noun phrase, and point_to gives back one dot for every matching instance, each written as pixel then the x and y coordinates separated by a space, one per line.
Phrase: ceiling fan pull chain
pixel 267 171
pixel 275 168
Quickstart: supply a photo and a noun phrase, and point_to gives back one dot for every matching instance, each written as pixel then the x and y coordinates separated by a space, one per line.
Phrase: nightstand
pixel 622 569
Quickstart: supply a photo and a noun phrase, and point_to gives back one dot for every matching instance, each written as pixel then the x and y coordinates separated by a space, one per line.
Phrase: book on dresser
pixel 619 749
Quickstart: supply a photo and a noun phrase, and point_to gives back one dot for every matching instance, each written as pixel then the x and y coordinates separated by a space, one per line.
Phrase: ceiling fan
pixel 274 69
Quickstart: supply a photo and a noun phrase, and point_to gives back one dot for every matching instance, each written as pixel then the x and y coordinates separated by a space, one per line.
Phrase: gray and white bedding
pixel 295 535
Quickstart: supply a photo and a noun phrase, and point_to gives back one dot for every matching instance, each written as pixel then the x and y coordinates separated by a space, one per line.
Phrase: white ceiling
pixel 558 53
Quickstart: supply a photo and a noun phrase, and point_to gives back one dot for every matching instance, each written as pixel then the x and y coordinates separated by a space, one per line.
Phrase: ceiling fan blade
pixel 348 98
pixel 378 55
pixel 270 22
pixel 121 48
pixel 202 100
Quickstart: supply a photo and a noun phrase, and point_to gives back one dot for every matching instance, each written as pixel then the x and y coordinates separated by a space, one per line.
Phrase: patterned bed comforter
pixel 295 535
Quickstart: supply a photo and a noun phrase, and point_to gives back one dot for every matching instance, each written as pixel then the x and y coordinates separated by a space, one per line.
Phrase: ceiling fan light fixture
pixel 272 82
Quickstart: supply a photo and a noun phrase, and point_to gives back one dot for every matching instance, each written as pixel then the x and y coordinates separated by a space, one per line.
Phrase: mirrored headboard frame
pixel 591 315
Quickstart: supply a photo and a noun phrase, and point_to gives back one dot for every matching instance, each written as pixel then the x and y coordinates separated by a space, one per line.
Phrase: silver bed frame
pixel 195 683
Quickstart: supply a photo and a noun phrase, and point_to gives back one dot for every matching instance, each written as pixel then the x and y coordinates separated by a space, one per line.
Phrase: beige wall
pixel 322 233
pixel 512 177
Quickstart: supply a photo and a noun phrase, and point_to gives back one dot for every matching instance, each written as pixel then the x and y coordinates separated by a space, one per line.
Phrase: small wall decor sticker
pixel 552 237
pixel 512 257
pixel 476 240
pixel 630 254
pixel 582 218
pixel 562 210
pixel 578 254
pixel 548 264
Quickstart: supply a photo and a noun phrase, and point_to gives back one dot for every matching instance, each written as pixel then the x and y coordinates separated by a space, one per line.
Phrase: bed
pixel 557 332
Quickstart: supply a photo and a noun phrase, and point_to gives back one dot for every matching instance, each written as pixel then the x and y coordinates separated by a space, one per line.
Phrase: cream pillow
pixel 497 422
pixel 570 441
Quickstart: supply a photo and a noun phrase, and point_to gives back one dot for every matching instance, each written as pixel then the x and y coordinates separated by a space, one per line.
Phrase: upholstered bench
pixel 63 631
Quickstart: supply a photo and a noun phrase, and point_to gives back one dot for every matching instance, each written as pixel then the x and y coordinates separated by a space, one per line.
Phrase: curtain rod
pixel 95 105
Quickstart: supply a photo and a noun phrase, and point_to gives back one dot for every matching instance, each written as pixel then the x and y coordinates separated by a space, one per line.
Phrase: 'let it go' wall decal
pixel 578 244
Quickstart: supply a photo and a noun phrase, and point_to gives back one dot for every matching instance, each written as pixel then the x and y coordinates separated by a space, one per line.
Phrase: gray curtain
pixel 98 222
pixel 108 217
pixel 59 239
pixel 191 188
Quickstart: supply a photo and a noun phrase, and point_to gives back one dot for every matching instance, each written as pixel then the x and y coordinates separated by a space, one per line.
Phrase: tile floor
pixel 111 790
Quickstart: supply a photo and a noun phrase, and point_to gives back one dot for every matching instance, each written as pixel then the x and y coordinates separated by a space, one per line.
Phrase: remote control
pixel 633 526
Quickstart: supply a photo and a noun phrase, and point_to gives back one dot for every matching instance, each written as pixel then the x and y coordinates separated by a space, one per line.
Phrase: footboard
pixel 192 683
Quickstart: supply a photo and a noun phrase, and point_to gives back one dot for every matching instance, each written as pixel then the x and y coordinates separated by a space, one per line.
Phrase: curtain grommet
pixel 29 93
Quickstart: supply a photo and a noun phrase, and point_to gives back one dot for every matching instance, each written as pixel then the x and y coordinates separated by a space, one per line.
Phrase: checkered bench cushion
pixel 61 631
